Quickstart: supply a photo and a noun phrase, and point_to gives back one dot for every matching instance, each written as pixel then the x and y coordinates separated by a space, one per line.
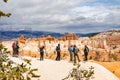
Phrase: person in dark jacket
pixel 17 48
pixel 42 53
pixel 75 51
pixel 86 51
pixel 58 53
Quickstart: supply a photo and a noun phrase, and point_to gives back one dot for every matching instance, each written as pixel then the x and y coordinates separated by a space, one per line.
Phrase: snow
pixel 57 70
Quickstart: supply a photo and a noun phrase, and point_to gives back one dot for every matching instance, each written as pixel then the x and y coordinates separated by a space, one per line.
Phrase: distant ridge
pixel 9 35
pixel 107 33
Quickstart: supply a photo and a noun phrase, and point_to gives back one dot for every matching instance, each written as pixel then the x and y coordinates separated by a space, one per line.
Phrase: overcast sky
pixel 81 16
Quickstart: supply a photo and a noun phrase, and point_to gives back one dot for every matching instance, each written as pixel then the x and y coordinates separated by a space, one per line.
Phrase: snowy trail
pixel 57 70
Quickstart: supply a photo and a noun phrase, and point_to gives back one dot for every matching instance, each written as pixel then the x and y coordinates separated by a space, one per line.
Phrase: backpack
pixel 13 45
pixel 57 48
pixel 41 49
pixel 86 49
pixel 70 49
pixel 76 50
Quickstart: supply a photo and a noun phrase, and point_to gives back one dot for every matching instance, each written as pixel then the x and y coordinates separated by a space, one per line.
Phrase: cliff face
pixel 112 38
pixel 96 43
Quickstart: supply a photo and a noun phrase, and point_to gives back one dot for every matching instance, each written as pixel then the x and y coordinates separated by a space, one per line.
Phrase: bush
pixel 3 13
pixel 97 56
pixel 10 70
pixel 79 74
pixel 112 57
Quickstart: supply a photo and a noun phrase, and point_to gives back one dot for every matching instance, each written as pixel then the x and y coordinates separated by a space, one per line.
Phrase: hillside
pixel 9 35
pixel 107 33
pixel 112 38
pixel 114 67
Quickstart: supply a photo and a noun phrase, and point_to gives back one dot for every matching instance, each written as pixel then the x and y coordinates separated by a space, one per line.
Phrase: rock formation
pixel 69 37
pixel 22 39
pixel 96 43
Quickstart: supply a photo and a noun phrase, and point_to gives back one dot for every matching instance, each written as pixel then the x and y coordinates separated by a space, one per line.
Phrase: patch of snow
pixel 57 70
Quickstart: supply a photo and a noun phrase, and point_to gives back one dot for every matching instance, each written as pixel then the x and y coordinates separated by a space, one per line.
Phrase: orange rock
pixel 69 37
pixel 21 39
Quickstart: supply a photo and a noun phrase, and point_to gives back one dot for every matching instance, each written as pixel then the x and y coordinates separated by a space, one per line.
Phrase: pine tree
pixel 2 13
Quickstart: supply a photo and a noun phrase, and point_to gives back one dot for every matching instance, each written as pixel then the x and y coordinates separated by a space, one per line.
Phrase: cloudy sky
pixel 81 16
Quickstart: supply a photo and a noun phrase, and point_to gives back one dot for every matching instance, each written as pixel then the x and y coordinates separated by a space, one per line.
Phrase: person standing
pixel 16 49
pixel 58 53
pixel 42 53
pixel 86 50
pixel 70 49
pixel 13 47
pixel 75 51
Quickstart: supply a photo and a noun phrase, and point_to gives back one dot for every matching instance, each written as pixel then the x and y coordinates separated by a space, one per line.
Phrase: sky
pixel 74 16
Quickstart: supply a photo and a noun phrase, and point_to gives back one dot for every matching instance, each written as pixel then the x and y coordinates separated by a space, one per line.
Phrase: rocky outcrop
pixel 49 38
pixel 96 43
pixel 113 39
pixel 69 37
pixel 22 39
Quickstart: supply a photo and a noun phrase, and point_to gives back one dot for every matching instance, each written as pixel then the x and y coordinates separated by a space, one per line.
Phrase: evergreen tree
pixel 2 13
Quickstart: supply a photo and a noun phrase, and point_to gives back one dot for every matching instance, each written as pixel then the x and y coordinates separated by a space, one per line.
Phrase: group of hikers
pixel 58 50
pixel 73 50
pixel 15 48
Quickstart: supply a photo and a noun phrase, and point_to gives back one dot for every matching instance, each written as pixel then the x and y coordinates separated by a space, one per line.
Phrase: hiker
pixel 58 53
pixel 15 49
pixel 86 50
pixel 75 51
pixel 70 49
pixel 42 53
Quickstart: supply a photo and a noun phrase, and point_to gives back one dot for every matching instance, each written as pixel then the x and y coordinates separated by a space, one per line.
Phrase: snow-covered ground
pixel 57 70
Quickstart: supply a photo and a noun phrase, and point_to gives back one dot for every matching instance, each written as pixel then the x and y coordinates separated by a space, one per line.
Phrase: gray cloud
pixel 60 15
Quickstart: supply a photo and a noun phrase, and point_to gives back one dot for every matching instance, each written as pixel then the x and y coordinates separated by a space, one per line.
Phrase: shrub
pixel 97 56
pixel 10 70
pixel 112 57
pixel 79 74
pixel 3 13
